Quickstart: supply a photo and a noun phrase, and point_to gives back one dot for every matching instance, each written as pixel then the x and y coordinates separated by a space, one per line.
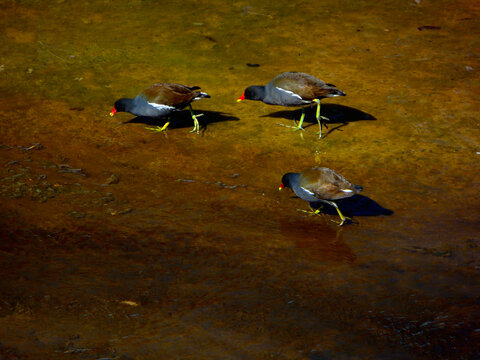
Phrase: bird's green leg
pixel 196 125
pixel 300 123
pixel 299 126
pixel 342 217
pixel 159 128
pixel 319 118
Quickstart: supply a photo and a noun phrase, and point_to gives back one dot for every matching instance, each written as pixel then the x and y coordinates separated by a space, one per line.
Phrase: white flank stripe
pixel 308 191
pixel 161 106
pixel 347 190
pixel 289 92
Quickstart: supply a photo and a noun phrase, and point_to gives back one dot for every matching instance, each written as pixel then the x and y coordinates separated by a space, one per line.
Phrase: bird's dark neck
pixel 290 179
pixel 124 105
pixel 255 92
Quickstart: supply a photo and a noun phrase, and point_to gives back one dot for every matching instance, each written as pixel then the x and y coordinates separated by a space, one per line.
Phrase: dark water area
pixel 122 243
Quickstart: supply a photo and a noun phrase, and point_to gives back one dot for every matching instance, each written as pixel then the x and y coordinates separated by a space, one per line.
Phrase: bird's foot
pixel 312 212
pixel 158 128
pixel 196 126
pixel 343 221
pixel 320 126
pixel 294 128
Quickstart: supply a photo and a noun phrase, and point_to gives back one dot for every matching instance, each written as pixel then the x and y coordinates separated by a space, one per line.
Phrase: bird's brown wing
pixel 326 184
pixel 169 94
pixel 306 86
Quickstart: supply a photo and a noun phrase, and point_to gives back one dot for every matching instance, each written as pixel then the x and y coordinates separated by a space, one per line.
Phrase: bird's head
pixel 286 180
pixel 118 106
pixel 254 92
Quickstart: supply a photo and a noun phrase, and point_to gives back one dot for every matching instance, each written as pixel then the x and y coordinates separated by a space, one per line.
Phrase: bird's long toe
pixel 158 128
pixel 343 221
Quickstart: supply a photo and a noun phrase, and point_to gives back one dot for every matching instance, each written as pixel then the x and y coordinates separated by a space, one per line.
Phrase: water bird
pixel 160 100
pixel 293 89
pixel 320 184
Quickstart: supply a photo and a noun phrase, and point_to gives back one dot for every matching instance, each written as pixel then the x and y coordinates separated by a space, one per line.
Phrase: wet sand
pixel 121 243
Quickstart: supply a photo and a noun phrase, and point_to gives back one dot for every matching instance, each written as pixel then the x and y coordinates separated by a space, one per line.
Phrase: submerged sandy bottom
pixel 118 242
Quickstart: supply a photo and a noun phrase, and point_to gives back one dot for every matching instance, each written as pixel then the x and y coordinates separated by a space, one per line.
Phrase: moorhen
pixel 293 89
pixel 320 184
pixel 160 100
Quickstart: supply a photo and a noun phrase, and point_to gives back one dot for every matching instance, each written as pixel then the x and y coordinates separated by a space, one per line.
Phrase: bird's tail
pixel 358 188
pixel 334 92
pixel 200 95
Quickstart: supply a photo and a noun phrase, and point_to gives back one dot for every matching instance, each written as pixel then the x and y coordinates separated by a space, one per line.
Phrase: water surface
pixel 118 242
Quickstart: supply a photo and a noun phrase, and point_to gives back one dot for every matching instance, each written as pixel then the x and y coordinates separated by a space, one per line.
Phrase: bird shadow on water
pixel 357 205
pixel 324 242
pixel 183 119
pixel 337 114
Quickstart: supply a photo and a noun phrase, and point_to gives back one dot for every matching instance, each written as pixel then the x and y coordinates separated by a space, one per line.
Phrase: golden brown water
pixel 121 243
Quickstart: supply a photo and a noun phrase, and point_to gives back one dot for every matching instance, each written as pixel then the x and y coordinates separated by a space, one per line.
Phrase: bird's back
pixel 175 95
pixel 327 184
pixel 306 86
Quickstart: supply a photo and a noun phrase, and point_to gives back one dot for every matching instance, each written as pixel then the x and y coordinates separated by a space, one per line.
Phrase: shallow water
pixel 118 242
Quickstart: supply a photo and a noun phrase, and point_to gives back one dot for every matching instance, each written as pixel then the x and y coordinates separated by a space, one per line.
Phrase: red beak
pixel 113 112
pixel 241 97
